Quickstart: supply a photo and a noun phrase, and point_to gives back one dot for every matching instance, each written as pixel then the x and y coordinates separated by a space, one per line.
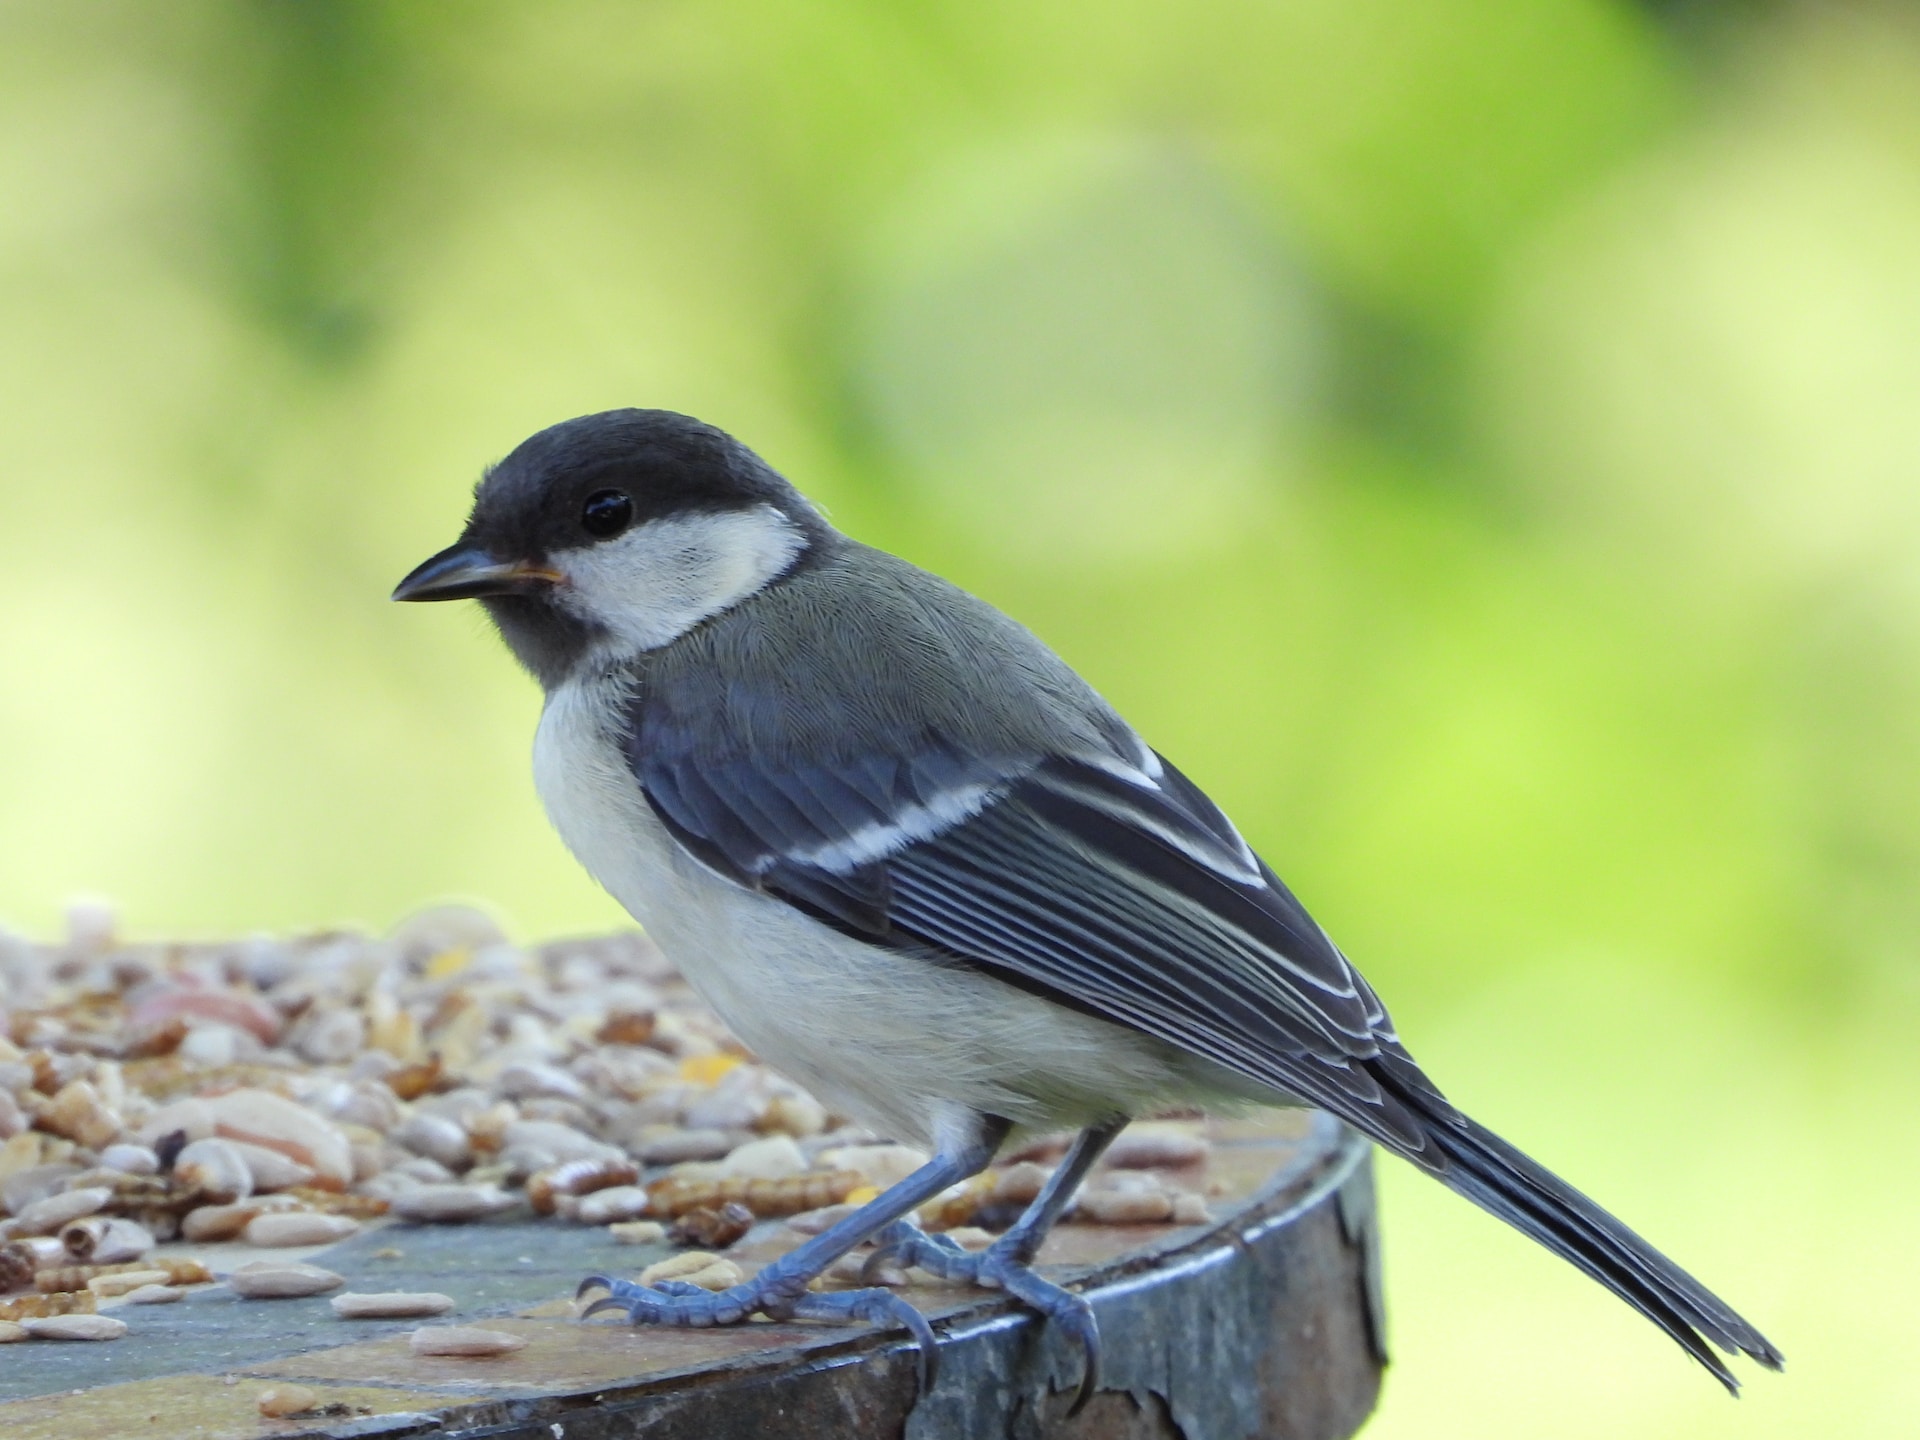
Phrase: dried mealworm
pixel 577 1177
pixel 33 1307
pixel 766 1199
pixel 335 1202
pixel 714 1229
pixel 55 1279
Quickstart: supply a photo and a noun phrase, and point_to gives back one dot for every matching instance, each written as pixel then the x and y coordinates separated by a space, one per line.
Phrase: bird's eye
pixel 606 513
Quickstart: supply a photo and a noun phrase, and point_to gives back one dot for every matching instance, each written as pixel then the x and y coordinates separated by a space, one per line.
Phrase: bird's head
pixel 617 533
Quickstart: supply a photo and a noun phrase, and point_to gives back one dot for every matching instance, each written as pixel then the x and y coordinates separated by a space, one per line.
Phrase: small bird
pixel 922 868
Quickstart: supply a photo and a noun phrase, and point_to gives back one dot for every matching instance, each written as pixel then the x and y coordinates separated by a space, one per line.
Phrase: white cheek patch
pixel 657 581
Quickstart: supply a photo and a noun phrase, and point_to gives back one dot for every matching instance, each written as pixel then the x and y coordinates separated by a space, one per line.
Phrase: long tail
pixel 1478 1164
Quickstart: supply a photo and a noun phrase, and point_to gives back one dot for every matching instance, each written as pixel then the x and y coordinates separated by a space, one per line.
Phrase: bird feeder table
pixel 1265 1321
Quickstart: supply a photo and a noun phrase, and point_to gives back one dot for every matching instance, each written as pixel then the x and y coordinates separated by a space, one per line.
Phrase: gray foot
pixel 773 1293
pixel 1005 1265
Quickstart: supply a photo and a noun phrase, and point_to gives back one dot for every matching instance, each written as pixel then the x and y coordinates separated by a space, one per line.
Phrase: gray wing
pixel 1111 886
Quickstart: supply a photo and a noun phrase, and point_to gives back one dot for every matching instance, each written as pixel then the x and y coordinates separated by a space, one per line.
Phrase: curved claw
pixel 1071 1313
pixel 878 1307
pixel 605 1302
pixel 601 1282
pixel 927 1343
pixel 1090 1367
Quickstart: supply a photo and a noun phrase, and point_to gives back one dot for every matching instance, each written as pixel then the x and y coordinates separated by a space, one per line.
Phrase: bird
pixel 921 867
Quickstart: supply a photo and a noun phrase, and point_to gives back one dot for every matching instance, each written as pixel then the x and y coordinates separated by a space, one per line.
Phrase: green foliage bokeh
pixel 1479 442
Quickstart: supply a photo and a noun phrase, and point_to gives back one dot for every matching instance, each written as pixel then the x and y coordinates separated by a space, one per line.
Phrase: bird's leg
pixel 1007 1264
pixel 780 1291
pixel 906 1244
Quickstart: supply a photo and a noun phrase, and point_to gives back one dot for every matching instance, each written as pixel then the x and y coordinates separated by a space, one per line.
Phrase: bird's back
pixel 859 643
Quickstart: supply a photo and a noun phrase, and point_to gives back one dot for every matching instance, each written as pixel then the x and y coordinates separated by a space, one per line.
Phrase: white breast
pixel 894 1041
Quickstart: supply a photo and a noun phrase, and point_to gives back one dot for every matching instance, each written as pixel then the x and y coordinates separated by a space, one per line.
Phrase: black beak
pixel 464 573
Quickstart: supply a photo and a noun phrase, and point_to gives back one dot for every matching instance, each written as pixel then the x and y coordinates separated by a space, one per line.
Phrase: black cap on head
pixel 533 504
pixel 580 482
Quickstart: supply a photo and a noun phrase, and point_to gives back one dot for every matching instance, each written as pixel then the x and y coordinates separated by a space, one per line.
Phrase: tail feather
pixel 1476 1163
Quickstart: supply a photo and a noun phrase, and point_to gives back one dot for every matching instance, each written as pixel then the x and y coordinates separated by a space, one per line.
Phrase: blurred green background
pixel 1479 441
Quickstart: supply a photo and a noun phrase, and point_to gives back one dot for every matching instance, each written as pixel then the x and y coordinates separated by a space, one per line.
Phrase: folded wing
pixel 1110 885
